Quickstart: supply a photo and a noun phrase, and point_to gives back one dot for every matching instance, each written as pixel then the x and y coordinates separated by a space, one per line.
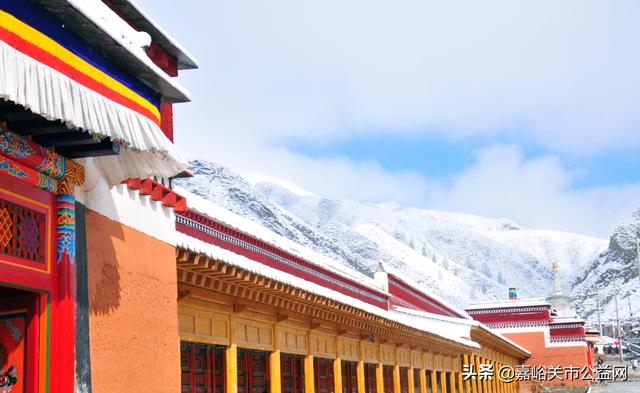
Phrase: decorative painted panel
pixel 438 362
pixel 428 361
pixel 417 359
pixel 446 363
pixel 253 334
pixel 404 357
pixel 369 352
pixel 387 355
pixel 349 349
pixel 25 226
pixel 202 325
pixel 293 341
pixel 323 346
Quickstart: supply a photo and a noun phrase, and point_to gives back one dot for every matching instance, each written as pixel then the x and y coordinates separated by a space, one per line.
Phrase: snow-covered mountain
pixel 613 272
pixel 462 257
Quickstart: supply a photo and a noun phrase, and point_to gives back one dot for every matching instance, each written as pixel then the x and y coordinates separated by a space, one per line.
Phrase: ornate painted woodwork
pixel 416 380
pixel 253 371
pixel 387 377
pixel 370 385
pixel 292 373
pixel 24 231
pixel 323 375
pixel 13 364
pixel 404 380
pixel 202 368
pixel 349 377
pixel 37 250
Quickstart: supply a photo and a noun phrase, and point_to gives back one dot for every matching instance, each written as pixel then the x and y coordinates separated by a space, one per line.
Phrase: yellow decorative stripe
pixel 35 37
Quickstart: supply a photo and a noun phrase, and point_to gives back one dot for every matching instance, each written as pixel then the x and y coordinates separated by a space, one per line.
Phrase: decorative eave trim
pixel 38 166
pixel 215 275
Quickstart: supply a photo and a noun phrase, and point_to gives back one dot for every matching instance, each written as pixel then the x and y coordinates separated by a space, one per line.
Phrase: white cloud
pixel 563 74
pixel 559 74
pixel 499 183
pixel 535 192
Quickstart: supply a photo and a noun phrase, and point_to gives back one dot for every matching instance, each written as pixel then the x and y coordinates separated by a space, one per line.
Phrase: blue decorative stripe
pixel 44 22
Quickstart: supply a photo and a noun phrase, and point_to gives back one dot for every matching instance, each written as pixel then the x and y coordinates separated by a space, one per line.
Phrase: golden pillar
pixel 231 368
pixel 452 381
pixel 443 381
pixel 434 382
pixel 467 382
pixel 396 379
pixel 309 385
pixel 477 386
pixel 410 380
pixel 423 380
pixel 275 385
pixel 380 378
pixel 360 376
pixel 337 375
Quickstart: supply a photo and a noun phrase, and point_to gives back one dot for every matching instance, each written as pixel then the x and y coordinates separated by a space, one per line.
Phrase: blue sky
pixel 525 110
pixel 440 158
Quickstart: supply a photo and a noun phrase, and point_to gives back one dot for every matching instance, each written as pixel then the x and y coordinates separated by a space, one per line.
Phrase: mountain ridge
pixel 461 257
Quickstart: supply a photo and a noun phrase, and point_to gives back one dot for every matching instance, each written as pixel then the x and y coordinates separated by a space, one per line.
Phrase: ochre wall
pixel 551 356
pixel 133 320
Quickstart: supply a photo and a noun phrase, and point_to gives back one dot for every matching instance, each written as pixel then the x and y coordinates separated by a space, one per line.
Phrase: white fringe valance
pixel 146 151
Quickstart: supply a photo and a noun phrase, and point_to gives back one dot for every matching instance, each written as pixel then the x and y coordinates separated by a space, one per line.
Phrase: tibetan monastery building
pixel 561 353
pixel 258 313
pixel 87 268
pixel 111 281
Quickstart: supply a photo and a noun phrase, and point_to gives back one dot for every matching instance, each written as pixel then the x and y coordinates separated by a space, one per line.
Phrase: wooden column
pixel 467 383
pixel 485 382
pixel 475 382
pixel 379 378
pixel 360 376
pixel 275 385
pixel 434 383
pixel 423 380
pixel 309 385
pixel 410 380
pixel 443 381
pixel 460 384
pixel 452 381
pixel 337 375
pixel 231 368
pixel 396 379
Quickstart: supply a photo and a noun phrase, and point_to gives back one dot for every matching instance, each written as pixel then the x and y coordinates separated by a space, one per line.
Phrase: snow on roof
pixel 127 37
pixel 459 327
pixel 421 289
pixel 557 321
pixel 218 253
pixel 174 46
pixel 508 304
pixel 226 217
pixel 500 336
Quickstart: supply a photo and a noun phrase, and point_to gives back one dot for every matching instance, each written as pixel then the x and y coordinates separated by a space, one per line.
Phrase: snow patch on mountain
pixel 613 273
pixel 463 258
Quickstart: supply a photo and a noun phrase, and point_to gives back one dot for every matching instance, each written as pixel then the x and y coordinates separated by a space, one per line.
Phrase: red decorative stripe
pixel 48 59
pixel 414 297
pixel 296 266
